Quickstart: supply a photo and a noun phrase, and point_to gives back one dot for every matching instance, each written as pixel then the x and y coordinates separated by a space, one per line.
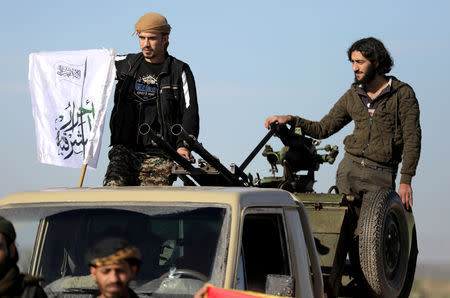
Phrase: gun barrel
pixel 195 173
pixel 178 130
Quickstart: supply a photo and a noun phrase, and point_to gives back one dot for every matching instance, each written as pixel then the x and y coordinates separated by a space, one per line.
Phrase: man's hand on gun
pixel 185 153
pixel 280 119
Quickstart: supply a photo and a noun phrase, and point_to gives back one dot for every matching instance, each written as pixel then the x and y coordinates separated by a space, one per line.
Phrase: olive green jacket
pixel 392 135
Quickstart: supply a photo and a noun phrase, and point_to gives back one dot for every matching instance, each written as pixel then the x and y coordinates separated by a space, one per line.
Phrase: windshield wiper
pixel 81 290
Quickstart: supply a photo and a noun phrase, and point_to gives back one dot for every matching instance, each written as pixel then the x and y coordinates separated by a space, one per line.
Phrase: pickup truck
pixel 231 237
pixel 270 234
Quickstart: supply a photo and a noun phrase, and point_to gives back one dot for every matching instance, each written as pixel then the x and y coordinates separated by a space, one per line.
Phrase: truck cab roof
pixel 239 196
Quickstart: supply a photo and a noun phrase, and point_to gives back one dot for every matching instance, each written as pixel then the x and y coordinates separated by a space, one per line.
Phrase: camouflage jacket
pixel 392 135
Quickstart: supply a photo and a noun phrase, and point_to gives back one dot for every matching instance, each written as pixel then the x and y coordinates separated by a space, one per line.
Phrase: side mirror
pixel 280 285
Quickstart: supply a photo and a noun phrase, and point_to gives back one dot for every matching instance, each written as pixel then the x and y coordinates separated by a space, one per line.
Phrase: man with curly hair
pixel 387 129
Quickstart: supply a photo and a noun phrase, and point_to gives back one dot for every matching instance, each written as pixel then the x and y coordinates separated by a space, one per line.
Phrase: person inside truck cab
pixel 12 282
pixel 113 263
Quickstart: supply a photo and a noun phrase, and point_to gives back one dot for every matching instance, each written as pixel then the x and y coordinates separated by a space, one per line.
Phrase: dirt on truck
pixel 272 235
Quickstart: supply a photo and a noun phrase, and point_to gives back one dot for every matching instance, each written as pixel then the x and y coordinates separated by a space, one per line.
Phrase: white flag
pixel 69 93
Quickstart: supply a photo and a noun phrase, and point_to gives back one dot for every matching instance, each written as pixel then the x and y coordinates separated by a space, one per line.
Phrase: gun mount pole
pixel 178 130
pixel 256 150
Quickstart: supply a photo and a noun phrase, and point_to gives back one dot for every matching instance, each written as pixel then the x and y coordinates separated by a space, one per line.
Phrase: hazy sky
pixel 250 59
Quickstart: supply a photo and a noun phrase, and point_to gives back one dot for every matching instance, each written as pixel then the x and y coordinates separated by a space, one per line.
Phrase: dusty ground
pixel 431 281
pixel 430 288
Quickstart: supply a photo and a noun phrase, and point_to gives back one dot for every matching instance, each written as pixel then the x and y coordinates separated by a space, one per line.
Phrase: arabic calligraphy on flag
pixel 69 93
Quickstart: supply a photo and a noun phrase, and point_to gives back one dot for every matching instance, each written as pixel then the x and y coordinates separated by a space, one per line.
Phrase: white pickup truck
pixel 230 237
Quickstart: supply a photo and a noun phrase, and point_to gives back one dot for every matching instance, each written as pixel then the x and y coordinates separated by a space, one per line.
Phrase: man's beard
pixel 152 53
pixel 368 77
pixel 122 293
pixel 5 266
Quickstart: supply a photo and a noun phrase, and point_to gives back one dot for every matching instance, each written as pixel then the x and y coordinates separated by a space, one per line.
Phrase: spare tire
pixel 407 286
pixel 383 243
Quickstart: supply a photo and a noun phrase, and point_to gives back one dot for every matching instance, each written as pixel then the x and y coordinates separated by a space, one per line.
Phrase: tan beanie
pixel 152 22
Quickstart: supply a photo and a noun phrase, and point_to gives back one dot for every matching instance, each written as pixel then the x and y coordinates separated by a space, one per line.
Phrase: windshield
pixel 179 245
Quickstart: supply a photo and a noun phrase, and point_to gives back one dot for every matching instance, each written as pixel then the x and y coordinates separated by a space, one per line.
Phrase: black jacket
pixel 173 106
pixel 15 284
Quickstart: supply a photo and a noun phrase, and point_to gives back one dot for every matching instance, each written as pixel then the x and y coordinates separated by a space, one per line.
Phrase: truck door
pixel 272 242
pixel 264 248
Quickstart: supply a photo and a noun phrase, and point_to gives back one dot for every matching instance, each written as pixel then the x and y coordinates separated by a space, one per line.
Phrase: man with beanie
pixel 154 92
pixel 387 126
pixel 12 282
pixel 113 263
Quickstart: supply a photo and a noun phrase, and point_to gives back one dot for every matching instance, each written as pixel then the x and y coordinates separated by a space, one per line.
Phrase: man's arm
pixel 190 117
pixel 331 123
pixel 412 134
